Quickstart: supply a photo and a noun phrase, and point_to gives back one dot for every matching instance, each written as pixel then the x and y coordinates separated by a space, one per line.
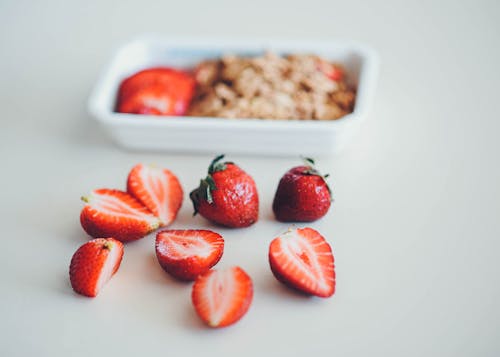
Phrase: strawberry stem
pixel 85 199
pixel 207 185
pixel 310 163
pixel 216 165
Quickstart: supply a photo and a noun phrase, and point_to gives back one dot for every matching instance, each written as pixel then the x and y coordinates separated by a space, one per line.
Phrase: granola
pixel 270 86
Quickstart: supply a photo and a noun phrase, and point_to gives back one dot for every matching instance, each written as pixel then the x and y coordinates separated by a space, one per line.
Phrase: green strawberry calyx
pixel 313 171
pixel 207 185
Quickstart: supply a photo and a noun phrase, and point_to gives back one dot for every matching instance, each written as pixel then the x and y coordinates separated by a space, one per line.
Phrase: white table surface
pixel 414 227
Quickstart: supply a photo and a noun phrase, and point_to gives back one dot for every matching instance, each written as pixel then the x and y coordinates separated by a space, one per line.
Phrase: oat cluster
pixel 271 86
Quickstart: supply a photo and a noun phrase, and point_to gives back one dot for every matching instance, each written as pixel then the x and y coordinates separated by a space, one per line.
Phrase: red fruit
pixel 185 254
pixel 222 297
pixel 114 213
pixel 157 189
pixel 93 264
pixel 302 195
pixel 149 101
pixel 302 259
pixel 332 71
pixel 156 91
pixel 227 196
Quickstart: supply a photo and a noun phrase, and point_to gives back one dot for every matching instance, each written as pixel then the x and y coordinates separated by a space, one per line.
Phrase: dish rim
pixel 364 90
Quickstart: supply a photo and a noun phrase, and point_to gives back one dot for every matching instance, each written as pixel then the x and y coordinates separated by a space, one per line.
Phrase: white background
pixel 414 227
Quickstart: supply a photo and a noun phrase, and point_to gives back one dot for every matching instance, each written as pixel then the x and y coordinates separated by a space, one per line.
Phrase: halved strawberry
pixel 222 297
pixel 93 264
pixel 158 189
pixel 114 213
pixel 185 254
pixel 302 259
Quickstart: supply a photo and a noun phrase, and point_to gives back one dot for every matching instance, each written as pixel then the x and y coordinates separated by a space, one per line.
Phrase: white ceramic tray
pixel 220 135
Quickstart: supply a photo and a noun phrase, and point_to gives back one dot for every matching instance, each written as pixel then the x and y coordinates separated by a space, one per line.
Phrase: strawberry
pixel 114 213
pixel 156 91
pixel 302 195
pixel 222 297
pixel 151 100
pixel 157 189
pixel 185 254
pixel 302 259
pixel 93 264
pixel 227 196
pixel 332 71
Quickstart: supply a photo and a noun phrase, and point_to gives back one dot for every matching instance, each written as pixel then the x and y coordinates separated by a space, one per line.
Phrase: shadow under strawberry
pixel 158 275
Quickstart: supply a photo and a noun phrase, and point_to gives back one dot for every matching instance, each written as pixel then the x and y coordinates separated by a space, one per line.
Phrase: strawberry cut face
pixel 93 265
pixel 158 189
pixel 222 297
pixel 119 206
pixel 185 254
pixel 303 260
pixel 114 213
pixel 180 245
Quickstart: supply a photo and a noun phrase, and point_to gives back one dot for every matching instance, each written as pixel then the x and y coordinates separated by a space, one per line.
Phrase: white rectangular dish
pixel 221 135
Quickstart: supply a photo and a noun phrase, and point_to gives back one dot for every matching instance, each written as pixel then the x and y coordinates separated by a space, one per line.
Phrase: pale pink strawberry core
pixel 116 207
pixel 156 185
pixel 304 258
pixel 219 292
pixel 107 269
pixel 182 246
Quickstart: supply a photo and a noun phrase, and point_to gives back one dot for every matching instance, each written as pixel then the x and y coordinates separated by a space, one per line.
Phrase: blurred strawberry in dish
pixel 156 91
pixel 331 70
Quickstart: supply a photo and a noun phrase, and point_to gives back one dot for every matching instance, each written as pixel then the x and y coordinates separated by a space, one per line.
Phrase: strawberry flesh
pixel 114 213
pixel 303 260
pixel 185 254
pixel 93 264
pixel 158 189
pixel 222 297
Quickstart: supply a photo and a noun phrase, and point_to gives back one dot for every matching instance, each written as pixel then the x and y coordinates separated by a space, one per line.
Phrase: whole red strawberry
pixel 93 264
pixel 156 91
pixel 302 195
pixel 227 196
